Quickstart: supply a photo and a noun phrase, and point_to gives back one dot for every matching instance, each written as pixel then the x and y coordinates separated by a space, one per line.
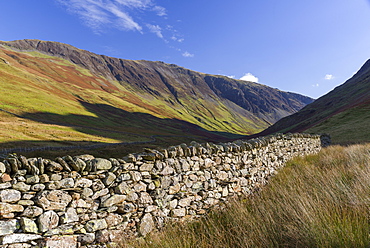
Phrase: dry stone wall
pixel 84 201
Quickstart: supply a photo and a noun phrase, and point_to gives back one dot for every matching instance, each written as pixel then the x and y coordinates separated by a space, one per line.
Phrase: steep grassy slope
pixel 59 92
pixel 344 112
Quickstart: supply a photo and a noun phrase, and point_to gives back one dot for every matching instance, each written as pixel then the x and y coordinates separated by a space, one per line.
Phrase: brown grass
pixel 316 201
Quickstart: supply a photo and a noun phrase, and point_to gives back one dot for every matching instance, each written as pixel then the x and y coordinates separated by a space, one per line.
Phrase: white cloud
pixel 155 29
pixel 174 38
pixel 232 76
pixel 188 55
pixel 100 14
pixel 249 77
pixel 329 77
pixel 315 85
pixel 160 10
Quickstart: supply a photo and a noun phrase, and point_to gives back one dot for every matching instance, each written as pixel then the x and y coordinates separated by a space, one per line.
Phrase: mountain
pixel 344 112
pixel 58 92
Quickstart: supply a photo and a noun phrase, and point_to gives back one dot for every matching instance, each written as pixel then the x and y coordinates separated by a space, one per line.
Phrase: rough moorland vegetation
pixel 315 201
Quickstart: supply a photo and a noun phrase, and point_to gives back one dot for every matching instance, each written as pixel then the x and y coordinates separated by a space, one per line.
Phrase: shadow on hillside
pixel 115 123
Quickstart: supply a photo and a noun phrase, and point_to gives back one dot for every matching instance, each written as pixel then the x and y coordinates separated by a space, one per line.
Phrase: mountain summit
pixel 344 112
pixel 71 83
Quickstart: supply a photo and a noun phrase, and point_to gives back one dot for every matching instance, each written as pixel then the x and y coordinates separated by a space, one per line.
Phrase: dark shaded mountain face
pixel 344 112
pixel 214 103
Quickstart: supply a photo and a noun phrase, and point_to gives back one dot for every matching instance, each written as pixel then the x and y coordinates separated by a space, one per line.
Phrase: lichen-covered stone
pixel 28 225
pixel 95 225
pixel 100 164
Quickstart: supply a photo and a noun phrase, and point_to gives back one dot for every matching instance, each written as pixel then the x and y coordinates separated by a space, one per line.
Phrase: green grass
pixel 316 201
pixel 350 126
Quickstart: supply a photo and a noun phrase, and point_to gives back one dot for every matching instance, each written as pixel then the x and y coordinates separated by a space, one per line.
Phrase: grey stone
pixel 97 185
pixel 38 187
pixel 168 170
pixel 8 226
pixel 2 168
pixel 100 193
pixel 47 221
pixel 55 177
pixel 68 241
pixel 146 224
pixel 19 238
pixel 86 193
pixel 145 198
pixel 67 183
pixel 10 195
pixel 83 183
pixel 186 201
pixel 69 216
pixel 53 200
pixel 139 187
pixel 6 208
pixel 113 219
pixel 21 186
pixel 122 188
pixel 100 164
pixel 87 238
pixel 6 185
pixel 113 200
pixel 54 167
pixel 109 178
pixel 95 225
pixel 32 211
pixel 180 212
pixel 146 167
pixel 32 179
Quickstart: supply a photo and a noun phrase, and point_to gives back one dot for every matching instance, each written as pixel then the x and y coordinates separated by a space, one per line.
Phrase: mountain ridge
pixel 70 85
pixel 343 112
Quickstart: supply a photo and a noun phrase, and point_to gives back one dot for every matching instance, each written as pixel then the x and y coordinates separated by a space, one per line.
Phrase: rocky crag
pixel 84 201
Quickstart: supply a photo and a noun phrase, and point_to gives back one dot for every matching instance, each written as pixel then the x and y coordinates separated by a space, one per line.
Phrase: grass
pixel 317 201
pixel 350 125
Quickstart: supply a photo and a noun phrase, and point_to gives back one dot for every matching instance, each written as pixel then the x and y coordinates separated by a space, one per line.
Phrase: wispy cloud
pixel 100 14
pixel 329 77
pixel 315 85
pixel 249 77
pixel 155 29
pixel 187 54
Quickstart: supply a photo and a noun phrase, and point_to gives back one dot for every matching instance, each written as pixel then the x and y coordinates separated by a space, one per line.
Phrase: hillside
pixel 344 113
pixel 55 92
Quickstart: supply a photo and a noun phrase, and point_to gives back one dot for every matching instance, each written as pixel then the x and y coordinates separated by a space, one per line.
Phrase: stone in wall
pixel 84 200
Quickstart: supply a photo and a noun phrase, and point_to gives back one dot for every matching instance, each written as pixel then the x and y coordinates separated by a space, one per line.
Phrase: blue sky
pixel 308 47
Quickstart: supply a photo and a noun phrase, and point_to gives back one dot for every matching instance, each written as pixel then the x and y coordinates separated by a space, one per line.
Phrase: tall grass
pixel 317 201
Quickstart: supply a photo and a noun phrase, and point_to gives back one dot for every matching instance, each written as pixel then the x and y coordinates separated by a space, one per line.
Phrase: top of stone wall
pixel 15 165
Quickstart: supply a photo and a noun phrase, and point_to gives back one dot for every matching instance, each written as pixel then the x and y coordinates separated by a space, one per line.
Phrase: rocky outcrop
pixel 82 200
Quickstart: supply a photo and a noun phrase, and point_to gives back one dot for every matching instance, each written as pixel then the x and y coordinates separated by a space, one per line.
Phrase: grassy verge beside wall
pixel 317 201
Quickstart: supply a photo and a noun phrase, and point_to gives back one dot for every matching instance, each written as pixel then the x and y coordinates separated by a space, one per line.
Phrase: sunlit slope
pixel 98 98
pixel 344 112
